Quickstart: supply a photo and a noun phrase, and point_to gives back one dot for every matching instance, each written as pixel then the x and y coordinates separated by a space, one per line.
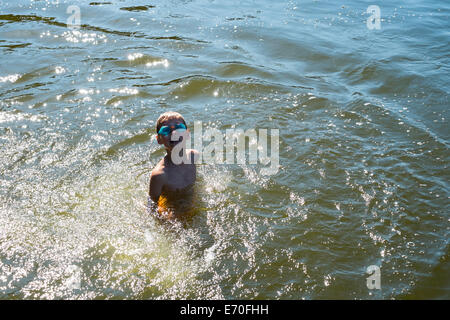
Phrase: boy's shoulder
pixel 159 172
pixel 193 151
pixel 194 154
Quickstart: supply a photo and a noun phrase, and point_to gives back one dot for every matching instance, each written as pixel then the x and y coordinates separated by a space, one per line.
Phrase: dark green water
pixel 363 121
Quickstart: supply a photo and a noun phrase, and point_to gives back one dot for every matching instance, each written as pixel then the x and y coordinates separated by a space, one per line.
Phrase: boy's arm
pixel 156 184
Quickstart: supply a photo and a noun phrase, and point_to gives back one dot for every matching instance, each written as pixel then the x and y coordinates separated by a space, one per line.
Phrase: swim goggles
pixel 166 130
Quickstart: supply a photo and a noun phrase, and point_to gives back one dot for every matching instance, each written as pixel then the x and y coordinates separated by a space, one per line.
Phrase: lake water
pixel 362 115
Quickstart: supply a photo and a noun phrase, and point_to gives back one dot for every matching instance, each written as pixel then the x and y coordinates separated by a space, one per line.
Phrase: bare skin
pixel 168 178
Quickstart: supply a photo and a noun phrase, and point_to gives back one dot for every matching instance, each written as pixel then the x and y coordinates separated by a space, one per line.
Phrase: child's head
pixel 166 123
pixel 166 117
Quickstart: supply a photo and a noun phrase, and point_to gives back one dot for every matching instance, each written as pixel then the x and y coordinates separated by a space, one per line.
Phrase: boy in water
pixel 171 181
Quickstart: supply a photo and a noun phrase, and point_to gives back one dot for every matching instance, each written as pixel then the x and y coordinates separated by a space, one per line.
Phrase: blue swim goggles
pixel 166 130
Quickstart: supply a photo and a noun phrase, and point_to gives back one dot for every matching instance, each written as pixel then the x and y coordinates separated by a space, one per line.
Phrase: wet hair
pixel 167 116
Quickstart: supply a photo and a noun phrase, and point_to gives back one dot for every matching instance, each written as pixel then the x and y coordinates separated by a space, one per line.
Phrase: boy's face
pixel 166 140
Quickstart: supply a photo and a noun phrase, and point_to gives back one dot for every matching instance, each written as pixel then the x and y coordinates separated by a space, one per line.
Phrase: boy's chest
pixel 181 178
